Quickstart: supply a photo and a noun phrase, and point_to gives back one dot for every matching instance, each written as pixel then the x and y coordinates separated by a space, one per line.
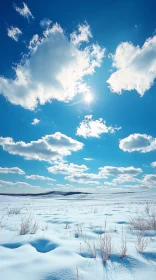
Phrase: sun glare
pixel 88 98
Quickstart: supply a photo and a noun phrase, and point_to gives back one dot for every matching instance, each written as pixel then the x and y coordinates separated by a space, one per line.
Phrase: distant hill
pixel 42 194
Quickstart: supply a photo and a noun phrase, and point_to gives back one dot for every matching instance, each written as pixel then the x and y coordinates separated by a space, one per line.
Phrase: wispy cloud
pixel 14 33
pixel 12 170
pixel 25 11
pixel 39 177
pixel 46 22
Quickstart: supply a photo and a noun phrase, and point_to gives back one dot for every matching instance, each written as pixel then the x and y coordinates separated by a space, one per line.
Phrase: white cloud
pixel 125 177
pixel 88 159
pixel 38 177
pixel 153 164
pixel 12 170
pixel 149 180
pixel 47 148
pixel 117 171
pixel 138 142
pixel 94 128
pixel 54 69
pixel 84 178
pixel 20 187
pixel 82 35
pixel 14 33
pixel 35 121
pixel 25 12
pixel 76 173
pixel 16 184
pixel 136 67
pixel 64 168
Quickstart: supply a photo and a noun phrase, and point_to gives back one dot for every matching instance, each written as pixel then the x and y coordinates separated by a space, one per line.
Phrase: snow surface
pixel 58 252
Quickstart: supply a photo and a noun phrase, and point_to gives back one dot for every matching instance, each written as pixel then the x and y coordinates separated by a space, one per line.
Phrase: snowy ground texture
pixel 68 237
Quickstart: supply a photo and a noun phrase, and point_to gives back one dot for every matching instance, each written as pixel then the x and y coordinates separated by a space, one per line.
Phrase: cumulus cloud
pixel 12 170
pixel 47 148
pixel 14 33
pixel 65 168
pixel 88 159
pixel 55 68
pixel 149 180
pixel 84 178
pixel 38 177
pixel 35 121
pixel 142 143
pixel 25 11
pixel 117 171
pixel 153 164
pixel 136 67
pixel 126 177
pixel 76 173
pixel 94 128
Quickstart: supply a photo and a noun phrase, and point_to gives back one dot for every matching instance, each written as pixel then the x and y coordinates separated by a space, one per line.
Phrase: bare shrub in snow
pixel 139 223
pixel 14 211
pixel 144 222
pixel 152 219
pixel 28 226
pixel 141 242
pixel 34 227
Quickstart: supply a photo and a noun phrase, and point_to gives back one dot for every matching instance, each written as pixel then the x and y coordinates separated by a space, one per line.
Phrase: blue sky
pixel 77 96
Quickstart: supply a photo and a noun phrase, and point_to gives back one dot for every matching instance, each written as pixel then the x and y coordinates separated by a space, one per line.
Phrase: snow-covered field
pixel 67 235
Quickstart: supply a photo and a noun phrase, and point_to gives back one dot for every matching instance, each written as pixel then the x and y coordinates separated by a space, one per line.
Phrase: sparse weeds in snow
pixel 147 208
pixel 123 249
pixel 79 231
pixel 67 226
pixel 144 222
pixel 14 211
pixel 141 242
pixel 34 227
pixel 1 222
pixel 45 227
pixel 105 243
pixel 28 226
pixel 91 245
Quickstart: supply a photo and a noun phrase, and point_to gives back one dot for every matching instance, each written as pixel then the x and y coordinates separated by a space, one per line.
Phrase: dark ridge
pixel 41 194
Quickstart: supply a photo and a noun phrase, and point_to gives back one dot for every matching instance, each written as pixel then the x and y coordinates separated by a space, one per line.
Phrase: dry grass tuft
pixel 28 226
pixel 105 243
